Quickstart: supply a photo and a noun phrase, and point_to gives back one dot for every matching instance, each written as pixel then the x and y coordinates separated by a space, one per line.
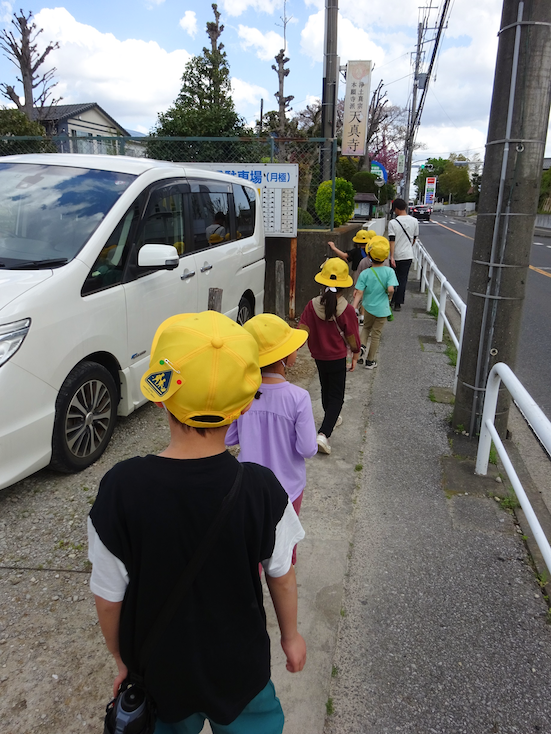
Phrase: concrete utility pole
pixel 330 80
pixel 508 204
pixel 411 129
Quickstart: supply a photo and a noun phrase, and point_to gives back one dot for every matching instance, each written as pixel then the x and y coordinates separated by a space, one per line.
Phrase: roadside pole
pixel 329 86
pixel 508 205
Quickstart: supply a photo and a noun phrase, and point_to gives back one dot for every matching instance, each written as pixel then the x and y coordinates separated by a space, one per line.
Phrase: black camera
pixel 130 713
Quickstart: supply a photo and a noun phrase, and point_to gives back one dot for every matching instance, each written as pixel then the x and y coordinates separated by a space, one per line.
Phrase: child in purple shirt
pixel 278 431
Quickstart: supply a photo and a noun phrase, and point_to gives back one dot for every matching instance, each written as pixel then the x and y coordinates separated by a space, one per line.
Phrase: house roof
pixel 60 112
pixel 366 197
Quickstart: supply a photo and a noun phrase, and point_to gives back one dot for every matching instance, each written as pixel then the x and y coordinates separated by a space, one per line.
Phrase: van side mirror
pixel 163 257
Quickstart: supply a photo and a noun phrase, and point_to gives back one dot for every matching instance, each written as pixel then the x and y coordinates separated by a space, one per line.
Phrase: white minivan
pixel 95 252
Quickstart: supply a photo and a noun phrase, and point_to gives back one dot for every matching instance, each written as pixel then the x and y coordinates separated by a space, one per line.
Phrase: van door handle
pixel 206 267
pixel 187 274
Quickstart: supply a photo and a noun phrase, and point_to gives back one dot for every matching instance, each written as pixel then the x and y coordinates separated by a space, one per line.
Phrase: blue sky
pixel 129 56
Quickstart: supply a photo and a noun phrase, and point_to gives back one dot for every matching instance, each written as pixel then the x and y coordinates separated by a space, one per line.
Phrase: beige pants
pixel 373 326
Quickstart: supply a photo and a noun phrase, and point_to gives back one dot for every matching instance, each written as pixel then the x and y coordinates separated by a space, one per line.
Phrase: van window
pixel 244 200
pixel 48 212
pixel 108 269
pixel 210 214
pixel 163 223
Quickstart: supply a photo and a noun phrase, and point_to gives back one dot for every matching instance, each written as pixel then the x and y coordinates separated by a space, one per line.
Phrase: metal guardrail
pixel 540 425
pixel 427 271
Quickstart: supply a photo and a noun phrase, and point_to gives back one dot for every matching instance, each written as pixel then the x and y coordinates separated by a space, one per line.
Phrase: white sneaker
pixel 323 444
pixel 339 421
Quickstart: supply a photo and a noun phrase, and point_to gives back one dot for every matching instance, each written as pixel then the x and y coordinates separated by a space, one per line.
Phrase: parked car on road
pixel 95 252
pixel 421 211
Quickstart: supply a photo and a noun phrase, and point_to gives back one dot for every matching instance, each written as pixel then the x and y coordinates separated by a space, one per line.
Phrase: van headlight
pixel 12 337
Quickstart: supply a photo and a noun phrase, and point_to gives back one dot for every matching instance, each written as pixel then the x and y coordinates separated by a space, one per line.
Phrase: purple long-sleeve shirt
pixel 278 431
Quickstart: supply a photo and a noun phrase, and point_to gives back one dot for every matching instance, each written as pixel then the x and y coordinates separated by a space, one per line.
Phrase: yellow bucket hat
pixel 361 236
pixel 371 233
pixel 275 338
pixel 203 367
pixel 334 273
pixel 378 249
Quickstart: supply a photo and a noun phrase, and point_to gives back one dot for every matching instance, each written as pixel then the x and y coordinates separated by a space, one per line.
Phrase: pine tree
pixel 204 106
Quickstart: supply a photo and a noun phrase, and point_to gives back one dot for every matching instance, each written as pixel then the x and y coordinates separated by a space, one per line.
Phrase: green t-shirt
pixel 375 298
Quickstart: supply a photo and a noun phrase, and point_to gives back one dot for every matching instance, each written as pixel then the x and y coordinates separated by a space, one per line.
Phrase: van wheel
pixel 85 416
pixel 244 311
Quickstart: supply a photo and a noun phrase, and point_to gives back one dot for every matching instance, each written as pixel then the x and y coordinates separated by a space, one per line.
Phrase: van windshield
pixel 47 213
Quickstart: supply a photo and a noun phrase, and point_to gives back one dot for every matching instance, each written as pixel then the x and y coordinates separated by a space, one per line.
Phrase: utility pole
pixel 412 129
pixel 507 208
pixel 330 80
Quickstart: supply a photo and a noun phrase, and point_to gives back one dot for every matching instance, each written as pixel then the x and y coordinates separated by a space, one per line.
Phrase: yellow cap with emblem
pixel 203 367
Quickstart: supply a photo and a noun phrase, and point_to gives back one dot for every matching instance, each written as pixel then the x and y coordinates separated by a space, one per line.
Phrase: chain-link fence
pixel 314 156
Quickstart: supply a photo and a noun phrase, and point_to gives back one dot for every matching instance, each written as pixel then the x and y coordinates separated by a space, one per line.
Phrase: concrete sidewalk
pixel 416 598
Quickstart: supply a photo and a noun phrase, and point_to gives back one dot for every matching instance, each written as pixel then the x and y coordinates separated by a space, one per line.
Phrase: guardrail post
pixel 488 416
pixel 423 274
pixel 431 290
pixel 441 312
pixel 463 312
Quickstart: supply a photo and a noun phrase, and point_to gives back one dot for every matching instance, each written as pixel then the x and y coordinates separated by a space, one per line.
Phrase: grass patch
pixel 450 351
pixel 343 612
pixel 510 502
pixel 493 455
pixel 358 467
pixel 329 707
pixel 334 671
pixel 434 309
pixel 432 396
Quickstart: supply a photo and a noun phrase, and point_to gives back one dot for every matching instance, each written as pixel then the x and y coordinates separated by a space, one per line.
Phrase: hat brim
pixel 294 342
pixel 333 283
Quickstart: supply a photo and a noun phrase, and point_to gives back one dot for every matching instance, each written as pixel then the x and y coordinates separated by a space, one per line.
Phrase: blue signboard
pixel 379 170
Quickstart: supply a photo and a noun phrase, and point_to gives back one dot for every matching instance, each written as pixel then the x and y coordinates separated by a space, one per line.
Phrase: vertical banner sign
pixel 356 107
pixel 430 189
pixel 401 163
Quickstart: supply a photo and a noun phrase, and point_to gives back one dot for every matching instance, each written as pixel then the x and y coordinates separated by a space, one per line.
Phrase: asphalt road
pixel 450 242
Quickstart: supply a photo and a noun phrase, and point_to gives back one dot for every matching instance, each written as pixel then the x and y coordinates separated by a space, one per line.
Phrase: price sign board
pixel 430 189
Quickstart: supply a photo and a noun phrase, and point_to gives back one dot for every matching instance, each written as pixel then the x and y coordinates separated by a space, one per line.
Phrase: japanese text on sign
pixel 356 105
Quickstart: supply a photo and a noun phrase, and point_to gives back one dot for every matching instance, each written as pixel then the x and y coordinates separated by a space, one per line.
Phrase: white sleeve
pixel 109 577
pixel 288 533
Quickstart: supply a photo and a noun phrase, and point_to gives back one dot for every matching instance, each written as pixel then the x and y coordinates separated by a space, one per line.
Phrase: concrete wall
pixel 377 225
pixel 312 251
pixel 460 209
pixel 543 221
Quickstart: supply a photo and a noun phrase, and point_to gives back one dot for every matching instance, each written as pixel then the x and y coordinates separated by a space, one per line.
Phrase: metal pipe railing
pixel 427 270
pixel 540 425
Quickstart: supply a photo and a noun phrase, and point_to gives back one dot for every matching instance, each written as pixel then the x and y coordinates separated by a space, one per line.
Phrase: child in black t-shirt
pixel 212 659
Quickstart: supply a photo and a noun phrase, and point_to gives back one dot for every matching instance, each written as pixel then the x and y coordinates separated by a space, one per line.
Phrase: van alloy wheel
pixel 86 412
pixel 244 311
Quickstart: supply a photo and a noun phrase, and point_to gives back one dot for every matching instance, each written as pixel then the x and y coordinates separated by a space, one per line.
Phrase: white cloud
pixel 6 12
pixel 267 45
pixel 441 140
pixel 189 22
pixel 237 7
pixel 245 94
pixel 132 79
pixel 352 43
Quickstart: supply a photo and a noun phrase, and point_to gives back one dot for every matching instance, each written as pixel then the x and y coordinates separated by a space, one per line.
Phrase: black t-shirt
pixel 355 256
pixel 151 512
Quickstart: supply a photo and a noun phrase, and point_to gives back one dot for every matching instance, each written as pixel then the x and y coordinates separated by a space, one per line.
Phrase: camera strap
pixel 188 575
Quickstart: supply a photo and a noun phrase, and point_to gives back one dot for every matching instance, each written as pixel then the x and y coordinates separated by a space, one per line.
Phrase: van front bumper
pixel 26 423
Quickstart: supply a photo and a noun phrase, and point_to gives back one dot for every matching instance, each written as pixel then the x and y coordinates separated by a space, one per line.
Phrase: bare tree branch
pixel 21 49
